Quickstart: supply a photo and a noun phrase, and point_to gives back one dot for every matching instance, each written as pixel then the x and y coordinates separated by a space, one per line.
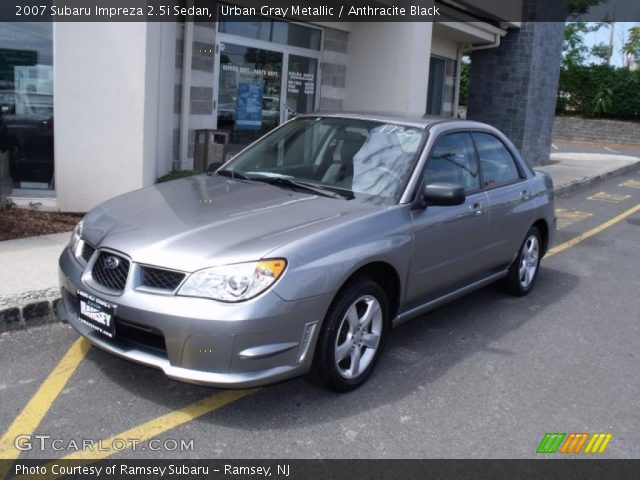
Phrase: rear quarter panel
pixel 545 203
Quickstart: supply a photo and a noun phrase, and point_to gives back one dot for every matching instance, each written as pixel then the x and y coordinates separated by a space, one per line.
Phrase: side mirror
pixel 443 194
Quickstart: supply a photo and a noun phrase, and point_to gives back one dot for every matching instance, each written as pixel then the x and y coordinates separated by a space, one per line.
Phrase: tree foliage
pixel 574 49
pixel 580 7
pixel 632 46
pixel 600 90
pixel 600 52
pixel 465 73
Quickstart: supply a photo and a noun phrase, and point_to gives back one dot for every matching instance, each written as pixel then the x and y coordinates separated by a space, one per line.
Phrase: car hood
pixel 202 221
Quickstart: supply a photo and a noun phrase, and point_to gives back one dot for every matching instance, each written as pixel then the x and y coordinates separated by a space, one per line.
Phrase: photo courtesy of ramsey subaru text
pixel 299 255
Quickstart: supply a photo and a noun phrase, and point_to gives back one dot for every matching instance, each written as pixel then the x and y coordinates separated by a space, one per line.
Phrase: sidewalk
pixel 573 171
pixel 29 266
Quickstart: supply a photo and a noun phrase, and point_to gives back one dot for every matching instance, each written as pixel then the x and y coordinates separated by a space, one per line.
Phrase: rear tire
pixel 352 337
pixel 524 270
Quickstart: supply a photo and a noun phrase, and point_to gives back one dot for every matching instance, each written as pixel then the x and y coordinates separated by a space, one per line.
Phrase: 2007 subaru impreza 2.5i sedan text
pixel 299 254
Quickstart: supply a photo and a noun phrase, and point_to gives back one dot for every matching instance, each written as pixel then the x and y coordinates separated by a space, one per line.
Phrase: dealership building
pixel 92 110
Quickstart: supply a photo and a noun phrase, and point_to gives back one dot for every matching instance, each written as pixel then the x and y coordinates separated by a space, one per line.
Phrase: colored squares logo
pixel 574 443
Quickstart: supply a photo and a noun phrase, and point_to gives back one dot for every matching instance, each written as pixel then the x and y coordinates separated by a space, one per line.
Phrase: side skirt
pixel 433 304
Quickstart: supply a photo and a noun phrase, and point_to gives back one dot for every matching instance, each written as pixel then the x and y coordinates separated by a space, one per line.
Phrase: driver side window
pixel 453 160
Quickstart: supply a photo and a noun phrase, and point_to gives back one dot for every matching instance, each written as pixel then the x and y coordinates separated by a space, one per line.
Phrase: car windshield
pixel 363 158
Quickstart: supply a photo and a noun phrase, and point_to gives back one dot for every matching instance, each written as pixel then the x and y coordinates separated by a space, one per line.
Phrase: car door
pixel 449 240
pixel 511 209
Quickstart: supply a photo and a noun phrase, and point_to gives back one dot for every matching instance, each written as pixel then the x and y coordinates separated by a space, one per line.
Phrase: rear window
pixel 497 164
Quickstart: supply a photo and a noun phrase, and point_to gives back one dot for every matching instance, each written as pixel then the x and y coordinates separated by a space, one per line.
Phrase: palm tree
pixel 631 48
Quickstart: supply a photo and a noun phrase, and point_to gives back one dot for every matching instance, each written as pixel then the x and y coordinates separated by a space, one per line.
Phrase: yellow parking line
pixel 566 218
pixel 153 428
pixel 590 233
pixel 159 425
pixel 609 197
pixel 33 413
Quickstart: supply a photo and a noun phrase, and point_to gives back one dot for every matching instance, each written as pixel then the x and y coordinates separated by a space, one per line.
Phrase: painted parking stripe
pixel 154 427
pixel 590 233
pixel 567 218
pixel 608 197
pixel 631 183
pixel 33 413
pixel 169 421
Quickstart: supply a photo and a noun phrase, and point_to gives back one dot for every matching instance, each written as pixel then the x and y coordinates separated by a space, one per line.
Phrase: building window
pixel 268 72
pixel 275 31
pixel 26 104
pixel 441 89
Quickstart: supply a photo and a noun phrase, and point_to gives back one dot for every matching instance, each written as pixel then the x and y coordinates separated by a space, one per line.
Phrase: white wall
pixel 388 66
pixel 160 71
pixel 443 47
pixel 110 99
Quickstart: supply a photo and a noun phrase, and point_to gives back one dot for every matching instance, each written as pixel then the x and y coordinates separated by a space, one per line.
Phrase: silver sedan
pixel 298 255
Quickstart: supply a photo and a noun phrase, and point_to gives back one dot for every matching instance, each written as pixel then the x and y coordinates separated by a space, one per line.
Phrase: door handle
pixel 476 208
pixel 524 195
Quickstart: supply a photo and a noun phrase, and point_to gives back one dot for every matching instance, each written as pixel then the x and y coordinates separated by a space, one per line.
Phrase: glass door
pixel 262 84
pixel 249 91
pixel 301 85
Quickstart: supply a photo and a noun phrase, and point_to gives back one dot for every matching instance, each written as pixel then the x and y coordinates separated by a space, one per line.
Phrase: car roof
pixel 413 120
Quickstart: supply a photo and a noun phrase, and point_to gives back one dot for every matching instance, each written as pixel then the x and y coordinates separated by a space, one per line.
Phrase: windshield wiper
pixel 288 182
pixel 233 175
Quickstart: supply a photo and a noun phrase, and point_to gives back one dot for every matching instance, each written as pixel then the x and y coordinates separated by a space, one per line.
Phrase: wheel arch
pixel 385 275
pixel 543 228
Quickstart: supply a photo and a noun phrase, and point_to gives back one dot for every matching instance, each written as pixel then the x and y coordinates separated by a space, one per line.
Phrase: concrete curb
pixel 36 308
pixel 28 309
pixel 585 183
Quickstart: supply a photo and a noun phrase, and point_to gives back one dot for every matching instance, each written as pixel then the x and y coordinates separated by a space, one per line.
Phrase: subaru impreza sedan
pixel 299 255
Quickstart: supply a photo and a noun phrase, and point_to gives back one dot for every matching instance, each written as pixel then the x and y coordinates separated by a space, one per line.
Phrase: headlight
pixel 234 283
pixel 75 238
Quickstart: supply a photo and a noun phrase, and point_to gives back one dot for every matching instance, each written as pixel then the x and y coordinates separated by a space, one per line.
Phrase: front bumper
pixel 257 342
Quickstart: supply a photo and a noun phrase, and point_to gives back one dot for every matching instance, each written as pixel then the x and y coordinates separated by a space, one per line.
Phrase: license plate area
pixel 97 313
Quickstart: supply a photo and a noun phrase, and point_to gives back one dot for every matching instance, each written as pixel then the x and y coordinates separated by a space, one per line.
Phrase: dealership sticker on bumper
pixel 97 314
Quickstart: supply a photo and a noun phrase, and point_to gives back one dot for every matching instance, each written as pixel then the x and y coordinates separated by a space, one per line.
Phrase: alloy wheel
pixel 529 261
pixel 358 336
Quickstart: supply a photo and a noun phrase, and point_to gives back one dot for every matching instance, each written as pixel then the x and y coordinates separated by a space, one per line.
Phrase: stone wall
pixel 595 130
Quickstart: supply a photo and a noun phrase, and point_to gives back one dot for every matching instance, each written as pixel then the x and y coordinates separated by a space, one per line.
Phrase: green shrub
pixel 176 174
pixel 465 73
pixel 601 103
pixel 600 90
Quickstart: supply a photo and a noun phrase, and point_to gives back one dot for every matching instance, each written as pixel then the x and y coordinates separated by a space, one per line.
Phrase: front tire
pixel 352 337
pixel 524 270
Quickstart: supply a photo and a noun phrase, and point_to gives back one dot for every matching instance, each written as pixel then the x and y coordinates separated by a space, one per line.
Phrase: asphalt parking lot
pixel 484 377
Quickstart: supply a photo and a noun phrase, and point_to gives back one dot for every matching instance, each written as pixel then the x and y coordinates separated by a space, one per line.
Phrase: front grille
pixel 162 279
pixel 87 251
pixel 106 275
